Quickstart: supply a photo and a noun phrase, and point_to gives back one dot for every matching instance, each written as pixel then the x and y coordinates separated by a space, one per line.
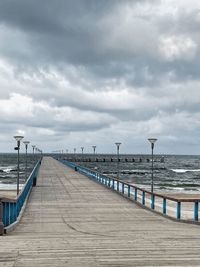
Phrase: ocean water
pixel 8 169
pixel 176 174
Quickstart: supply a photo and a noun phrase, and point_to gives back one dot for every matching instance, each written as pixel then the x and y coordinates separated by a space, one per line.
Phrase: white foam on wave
pixel 184 170
pixel 9 186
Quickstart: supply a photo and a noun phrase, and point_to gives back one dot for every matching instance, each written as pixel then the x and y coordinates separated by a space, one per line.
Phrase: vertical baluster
pixel 113 184
pixel 143 197
pixel 122 188
pixel 178 215
pixel 135 194
pixel 7 213
pixel 4 213
pixel 129 191
pixel 196 211
pixel 153 201
pixel 1 218
pixel 15 211
pixel 109 182
pixel 118 186
pixel 164 206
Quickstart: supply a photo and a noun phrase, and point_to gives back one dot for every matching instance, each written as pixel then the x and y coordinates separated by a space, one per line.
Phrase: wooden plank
pixel 73 221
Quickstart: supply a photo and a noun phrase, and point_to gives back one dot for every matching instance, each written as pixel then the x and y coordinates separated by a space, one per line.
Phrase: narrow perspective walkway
pixel 73 221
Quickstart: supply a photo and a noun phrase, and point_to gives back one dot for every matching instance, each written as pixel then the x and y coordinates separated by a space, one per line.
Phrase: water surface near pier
pixel 175 174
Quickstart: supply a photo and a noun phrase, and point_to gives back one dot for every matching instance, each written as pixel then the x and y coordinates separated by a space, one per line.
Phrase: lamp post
pixel 18 138
pixel 26 143
pixel 118 145
pixel 33 149
pixel 152 141
pixel 94 149
pixel 82 148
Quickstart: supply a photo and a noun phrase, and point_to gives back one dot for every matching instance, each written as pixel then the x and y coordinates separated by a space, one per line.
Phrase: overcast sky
pixel 94 72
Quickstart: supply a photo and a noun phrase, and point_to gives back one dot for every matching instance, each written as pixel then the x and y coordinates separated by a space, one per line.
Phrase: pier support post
pixel 164 206
pixel 143 197
pixel 153 201
pixel 129 190
pixel 178 210
pixel 1 219
pixel 196 211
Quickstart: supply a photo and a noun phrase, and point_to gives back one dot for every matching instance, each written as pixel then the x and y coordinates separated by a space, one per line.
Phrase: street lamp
pixel 94 148
pixel 18 138
pixel 118 145
pixel 26 143
pixel 33 149
pixel 152 141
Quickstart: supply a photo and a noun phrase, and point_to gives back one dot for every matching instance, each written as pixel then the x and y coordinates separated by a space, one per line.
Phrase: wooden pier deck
pixel 73 221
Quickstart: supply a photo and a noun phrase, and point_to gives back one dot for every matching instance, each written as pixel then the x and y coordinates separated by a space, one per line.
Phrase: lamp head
pixel 152 140
pixel 18 137
pixel 26 142
pixel 118 144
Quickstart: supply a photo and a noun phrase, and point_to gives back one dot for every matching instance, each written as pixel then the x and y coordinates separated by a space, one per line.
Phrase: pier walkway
pixel 72 221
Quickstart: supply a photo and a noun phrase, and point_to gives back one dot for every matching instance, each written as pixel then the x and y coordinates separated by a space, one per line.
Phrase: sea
pixel 8 169
pixel 172 173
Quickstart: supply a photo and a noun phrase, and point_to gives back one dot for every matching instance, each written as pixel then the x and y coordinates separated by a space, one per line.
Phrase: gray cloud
pixel 85 71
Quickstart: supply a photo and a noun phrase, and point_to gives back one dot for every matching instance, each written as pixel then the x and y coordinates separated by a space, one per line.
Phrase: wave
pixel 185 170
pixel 9 186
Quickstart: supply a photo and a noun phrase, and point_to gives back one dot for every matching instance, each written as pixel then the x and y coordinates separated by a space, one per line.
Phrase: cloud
pixel 93 72
pixel 177 47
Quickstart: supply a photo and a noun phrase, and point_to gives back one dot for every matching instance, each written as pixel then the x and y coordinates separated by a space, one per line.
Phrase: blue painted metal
pixel 122 188
pixel 153 201
pixel 143 197
pixel 164 206
pixel 135 194
pixel 111 183
pixel 118 186
pixel 12 207
pixel 178 215
pixel 196 211
pixel 129 191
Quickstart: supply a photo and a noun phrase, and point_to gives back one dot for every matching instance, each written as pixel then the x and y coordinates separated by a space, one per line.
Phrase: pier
pixel 71 220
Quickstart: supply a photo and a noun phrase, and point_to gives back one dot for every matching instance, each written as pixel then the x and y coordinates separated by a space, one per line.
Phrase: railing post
pixel 135 194
pixel 1 219
pixel 196 211
pixel 153 201
pixel 109 182
pixel 164 206
pixel 122 188
pixel 129 190
pixel 143 197
pixel 118 186
pixel 178 215
pixel 113 185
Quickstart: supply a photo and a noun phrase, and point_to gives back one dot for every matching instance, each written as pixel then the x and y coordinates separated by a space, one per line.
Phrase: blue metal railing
pixel 11 207
pixel 140 195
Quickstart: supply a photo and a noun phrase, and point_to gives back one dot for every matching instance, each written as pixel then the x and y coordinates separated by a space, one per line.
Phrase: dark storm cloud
pixel 95 70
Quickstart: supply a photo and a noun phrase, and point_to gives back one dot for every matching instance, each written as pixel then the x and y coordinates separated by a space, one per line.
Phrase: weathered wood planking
pixel 73 221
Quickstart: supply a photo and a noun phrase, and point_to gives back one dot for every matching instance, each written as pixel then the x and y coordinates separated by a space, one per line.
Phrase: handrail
pixel 129 190
pixel 11 207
